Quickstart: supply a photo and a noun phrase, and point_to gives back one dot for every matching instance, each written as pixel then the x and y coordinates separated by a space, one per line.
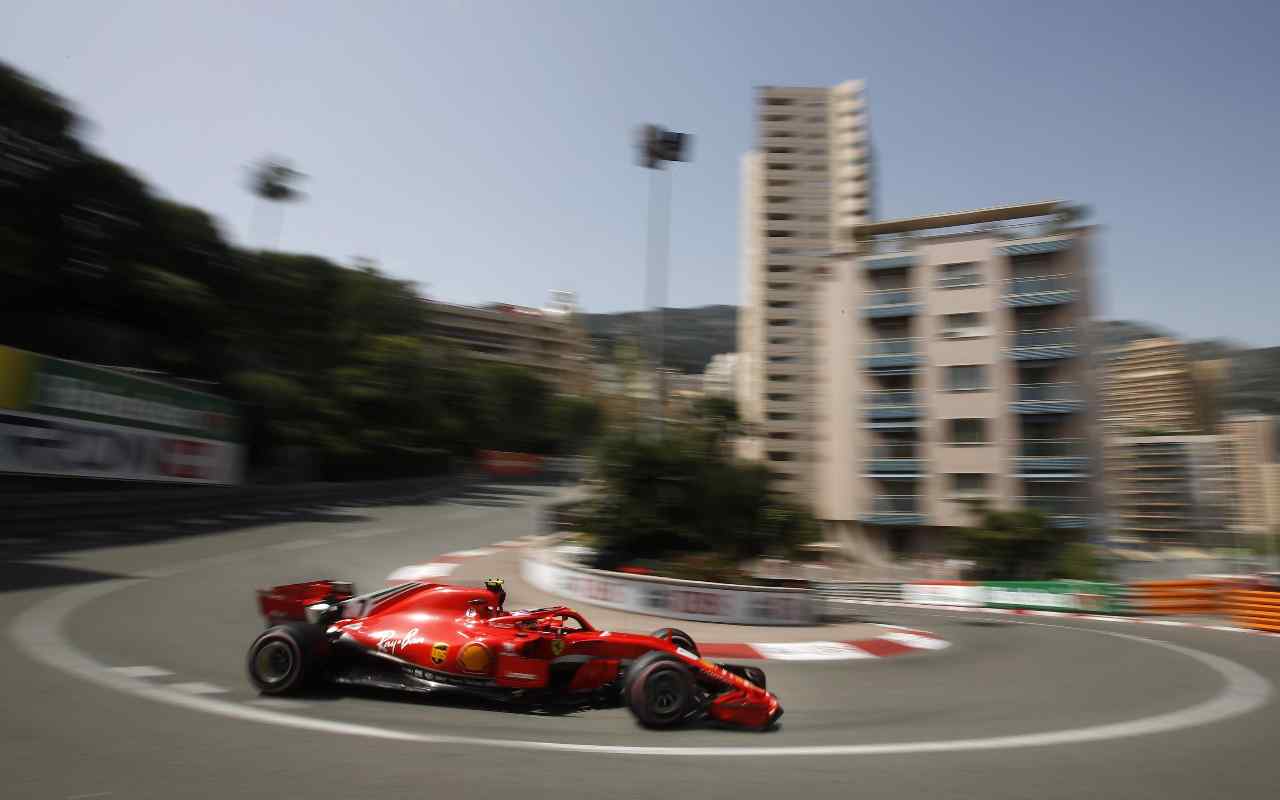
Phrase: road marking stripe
pixel 297 544
pixel 916 641
pixel 483 551
pixel 141 672
pixel 277 702
pixel 197 687
pixel 417 572
pixel 809 651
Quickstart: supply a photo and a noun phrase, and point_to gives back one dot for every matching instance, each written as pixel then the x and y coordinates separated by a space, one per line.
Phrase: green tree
pixel 1013 545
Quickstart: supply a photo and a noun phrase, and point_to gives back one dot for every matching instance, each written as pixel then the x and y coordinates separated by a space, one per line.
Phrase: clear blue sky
pixel 483 149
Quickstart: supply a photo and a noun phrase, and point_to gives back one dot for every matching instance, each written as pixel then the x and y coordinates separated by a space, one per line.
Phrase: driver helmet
pixel 494 585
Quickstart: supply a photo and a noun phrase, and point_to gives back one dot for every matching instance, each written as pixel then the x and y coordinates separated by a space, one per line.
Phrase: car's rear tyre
pixel 678 638
pixel 753 674
pixel 286 658
pixel 660 690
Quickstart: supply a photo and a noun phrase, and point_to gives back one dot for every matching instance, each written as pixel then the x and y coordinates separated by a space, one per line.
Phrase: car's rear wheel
pixel 285 658
pixel 660 690
pixel 678 638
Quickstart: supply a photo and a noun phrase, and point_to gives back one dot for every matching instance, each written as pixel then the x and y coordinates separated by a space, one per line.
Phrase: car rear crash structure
pixel 429 637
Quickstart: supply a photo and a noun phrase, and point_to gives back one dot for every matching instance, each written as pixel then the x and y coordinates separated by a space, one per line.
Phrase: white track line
pixel 197 687
pixel 141 672
pixel 298 544
pixel 809 651
pixel 416 572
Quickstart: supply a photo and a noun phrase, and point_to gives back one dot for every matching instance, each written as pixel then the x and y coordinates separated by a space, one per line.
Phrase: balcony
pixel 1052 458
pixel 889 303
pixel 891 254
pixel 891 353
pixel 1046 290
pixel 894 509
pixel 899 404
pixel 1046 398
pixel 1062 512
pixel 1039 345
pixel 895 460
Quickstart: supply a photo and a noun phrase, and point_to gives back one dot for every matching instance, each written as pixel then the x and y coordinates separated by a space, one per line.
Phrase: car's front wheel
pixel 284 658
pixel 660 690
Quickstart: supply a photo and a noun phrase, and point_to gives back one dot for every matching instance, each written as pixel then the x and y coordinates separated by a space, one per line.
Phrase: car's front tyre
pixel 285 658
pixel 660 690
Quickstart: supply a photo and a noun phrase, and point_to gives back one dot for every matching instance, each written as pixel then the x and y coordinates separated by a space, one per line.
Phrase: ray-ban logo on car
pixel 389 642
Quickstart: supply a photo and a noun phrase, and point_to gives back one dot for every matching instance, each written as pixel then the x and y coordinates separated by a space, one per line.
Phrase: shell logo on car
pixel 474 657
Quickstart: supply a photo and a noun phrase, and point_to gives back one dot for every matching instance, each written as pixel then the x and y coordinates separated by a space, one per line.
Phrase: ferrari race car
pixel 429 636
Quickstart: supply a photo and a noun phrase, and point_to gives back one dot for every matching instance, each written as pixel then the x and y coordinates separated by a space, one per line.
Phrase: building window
pixel 781 322
pixel 782 340
pixel 780 378
pixel 781 234
pixel 967 431
pixel 781 287
pixel 778 416
pixel 967 378
pixel 781 359
pixel 781 455
pixel 960 325
pixel 781 304
pixel 781 398
pixel 782 435
pixel 972 484
pixel 964 273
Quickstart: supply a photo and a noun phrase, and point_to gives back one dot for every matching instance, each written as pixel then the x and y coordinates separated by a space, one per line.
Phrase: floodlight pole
pixel 658 147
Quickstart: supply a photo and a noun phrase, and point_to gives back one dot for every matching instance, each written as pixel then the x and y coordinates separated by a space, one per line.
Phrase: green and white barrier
pixel 1073 596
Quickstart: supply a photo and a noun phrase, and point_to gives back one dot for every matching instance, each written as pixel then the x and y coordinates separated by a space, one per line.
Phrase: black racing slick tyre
pixel 753 674
pixel 677 637
pixel 286 658
pixel 660 690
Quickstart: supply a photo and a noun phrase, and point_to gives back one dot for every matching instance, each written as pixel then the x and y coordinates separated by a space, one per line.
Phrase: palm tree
pixel 273 180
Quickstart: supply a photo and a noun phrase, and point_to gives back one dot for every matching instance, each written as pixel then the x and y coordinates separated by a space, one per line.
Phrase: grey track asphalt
pixel 182 603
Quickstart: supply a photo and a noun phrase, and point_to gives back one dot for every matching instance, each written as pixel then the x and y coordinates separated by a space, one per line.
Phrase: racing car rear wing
pixel 290 601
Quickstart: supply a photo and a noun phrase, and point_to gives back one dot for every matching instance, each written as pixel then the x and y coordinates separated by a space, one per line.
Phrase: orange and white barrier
pixel 1176 598
pixel 1256 609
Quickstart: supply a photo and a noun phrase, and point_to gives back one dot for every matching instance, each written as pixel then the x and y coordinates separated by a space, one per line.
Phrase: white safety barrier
pixel 669 597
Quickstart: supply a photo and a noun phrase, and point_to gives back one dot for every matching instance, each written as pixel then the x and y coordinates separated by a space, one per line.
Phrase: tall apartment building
pixel 1253 450
pixel 954 362
pixel 551 341
pixel 1150 386
pixel 1177 489
pixel 804 187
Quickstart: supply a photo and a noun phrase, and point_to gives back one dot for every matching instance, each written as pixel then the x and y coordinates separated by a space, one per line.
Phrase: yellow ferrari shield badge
pixel 438 651
pixel 557 646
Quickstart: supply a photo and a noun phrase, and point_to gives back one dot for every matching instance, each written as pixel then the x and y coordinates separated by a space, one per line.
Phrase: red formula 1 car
pixel 428 636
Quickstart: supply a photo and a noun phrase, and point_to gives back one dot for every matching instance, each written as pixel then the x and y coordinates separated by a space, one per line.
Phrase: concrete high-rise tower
pixel 806 184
